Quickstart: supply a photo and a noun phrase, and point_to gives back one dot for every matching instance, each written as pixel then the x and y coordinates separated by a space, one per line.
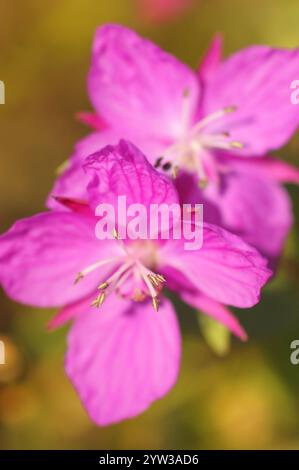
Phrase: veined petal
pixel 123 358
pixel 225 268
pixel 137 86
pixel 41 256
pixel 257 81
pixel 256 207
pixel 73 181
pixel 249 201
pixel 97 140
pixel 267 167
pixel 123 170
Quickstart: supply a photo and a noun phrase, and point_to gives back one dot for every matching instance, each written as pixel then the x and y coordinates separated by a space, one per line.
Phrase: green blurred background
pixel 248 398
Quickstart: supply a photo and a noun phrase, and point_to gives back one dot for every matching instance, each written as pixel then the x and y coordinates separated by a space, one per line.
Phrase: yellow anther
pixel 78 278
pixel 230 109
pixel 155 301
pixel 203 183
pixel 115 234
pixel 175 171
pixel 153 280
pixel 98 301
pixel 103 286
pixel 236 145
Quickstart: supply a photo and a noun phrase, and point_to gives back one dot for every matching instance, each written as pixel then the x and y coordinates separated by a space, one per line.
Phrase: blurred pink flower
pixel 161 10
pixel 214 127
pixel 123 358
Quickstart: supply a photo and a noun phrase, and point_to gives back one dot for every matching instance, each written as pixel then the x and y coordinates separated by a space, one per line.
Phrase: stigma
pixel 132 274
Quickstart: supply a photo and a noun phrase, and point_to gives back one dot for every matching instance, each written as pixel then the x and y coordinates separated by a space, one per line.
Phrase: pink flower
pixel 214 127
pixel 125 356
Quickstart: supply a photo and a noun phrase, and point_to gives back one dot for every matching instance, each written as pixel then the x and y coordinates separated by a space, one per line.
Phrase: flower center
pixel 131 273
pixel 191 151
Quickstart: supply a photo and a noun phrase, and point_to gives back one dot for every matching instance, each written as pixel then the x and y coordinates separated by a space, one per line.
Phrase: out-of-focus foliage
pixel 247 399
pixel 216 335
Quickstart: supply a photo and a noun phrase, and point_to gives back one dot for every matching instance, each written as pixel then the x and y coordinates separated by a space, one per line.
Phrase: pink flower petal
pixel 225 268
pixel 256 207
pixel 123 357
pixel 92 120
pixel 73 181
pixel 249 202
pixel 123 170
pixel 212 59
pixel 257 80
pixel 215 310
pixel 138 87
pixel 70 312
pixel 267 167
pixel 41 256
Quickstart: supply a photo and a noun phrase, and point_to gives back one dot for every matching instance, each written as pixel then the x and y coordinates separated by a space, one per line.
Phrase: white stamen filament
pixel 98 264
pixel 115 277
pixel 186 152
pixel 211 118
pixel 126 266
pixel 122 279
